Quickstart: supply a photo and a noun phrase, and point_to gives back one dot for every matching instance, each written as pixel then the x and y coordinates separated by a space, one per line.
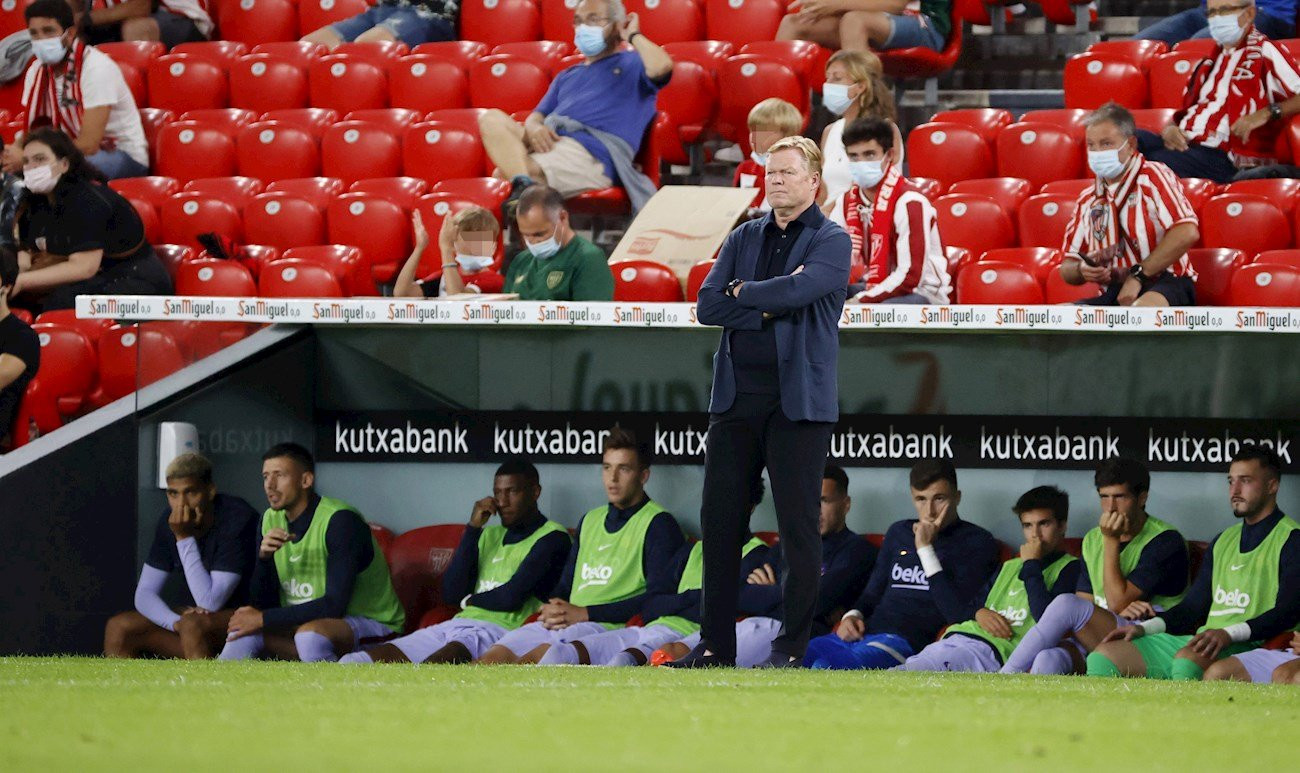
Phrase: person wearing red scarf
pixel 893 226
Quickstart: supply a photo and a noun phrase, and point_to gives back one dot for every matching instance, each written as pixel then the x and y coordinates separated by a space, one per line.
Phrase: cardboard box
pixel 682 225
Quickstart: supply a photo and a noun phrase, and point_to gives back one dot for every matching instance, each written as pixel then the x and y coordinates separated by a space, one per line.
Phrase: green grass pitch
pixel 91 714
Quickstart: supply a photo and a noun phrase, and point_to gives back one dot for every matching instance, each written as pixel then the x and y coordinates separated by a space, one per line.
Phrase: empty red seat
pixel 314 14
pixel 272 150
pixel 437 151
pixel 222 278
pixel 806 58
pixel 355 150
pixel 186 215
pixel 1040 153
pixel 988 121
pixel 342 83
pixel 133 356
pixel 1198 191
pixel 1044 218
pixel 975 223
pixel 695 279
pixel 929 188
pixel 152 119
pixel 507 83
pixel 137 53
pixel 1138 52
pixel 1283 192
pixel 1265 284
pixel 645 281
pixel 744 81
pixel 1039 261
pixel 487 192
pixel 381 52
pixel 958 258
pixel 154 189
pixel 227 119
pixel 669 21
pixel 948 152
pixel 297 52
pixel 402 191
pixel 258 21
pixel 344 261
pixel 1092 80
pixel 222 53
pixel 1244 221
pixel 462 52
pixel 135 81
pixel 180 82
pixel 395 119
pixel 265 82
pixel 1069 187
pixel 68 363
pixel 380 228
pixel 709 54
pixel 689 102
pixel 1070 119
pixel 1283 257
pixel 1214 269
pixel 172 256
pixel 417 561
pixel 998 283
pixel 500 21
pixel 1168 78
pixel 547 54
pixel 148 218
pixel 1008 192
pixel 282 220
pixel 425 82
pixel 236 191
pixel 742 21
pixel 92 329
pixel 1057 290
pixel 315 120
pixel 466 118
pixel 318 190
pixel 296 278
pixel 189 151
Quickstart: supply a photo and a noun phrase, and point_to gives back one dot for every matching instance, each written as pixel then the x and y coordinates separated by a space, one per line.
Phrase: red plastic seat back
pixel 646 281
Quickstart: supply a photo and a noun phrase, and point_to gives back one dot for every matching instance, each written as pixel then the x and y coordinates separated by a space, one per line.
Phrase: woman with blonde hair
pixel 855 88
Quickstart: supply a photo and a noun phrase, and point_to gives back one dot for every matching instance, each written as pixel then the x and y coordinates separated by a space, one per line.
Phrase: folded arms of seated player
pixel 350 551
pixel 687 603
pixel 535 577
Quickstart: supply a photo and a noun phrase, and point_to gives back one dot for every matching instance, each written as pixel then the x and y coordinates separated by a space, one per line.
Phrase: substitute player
pixel 1247 591
pixel 622 553
pixel 321 586
pixel 510 568
pixel 1017 596
pixel 1134 565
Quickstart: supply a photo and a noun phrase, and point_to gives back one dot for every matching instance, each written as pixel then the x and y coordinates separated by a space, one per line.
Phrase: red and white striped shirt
pixel 1132 214
pixel 1235 83
pixel 917 262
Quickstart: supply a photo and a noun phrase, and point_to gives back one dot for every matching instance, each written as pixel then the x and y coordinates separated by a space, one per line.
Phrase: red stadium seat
pixel 135 81
pixel 425 82
pixel 1039 261
pixel 222 53
pixel 380 228
pixel 645 281
pixel 381 52
pixel 1198 191
pixel 1138 52
pixel 224 278
pixel 998 283
pixel 186 215
pixel 1043 219
pixel 258 21
pixel 1070 119
pixel 807 59
pixel 1200 46
pixel 295 278
pixel 1008 192
pixel 383 536
pixel 314 14
pixel 355 150
pixel 929 188
pixel 296 52
pixel 1265 284
pixel 557 18
pixel 699 272
pixel 189 151
pixel 318 190
pixel 1245 222
pixel 282 220
pixel 670 21
pixel 744 81
pixel 507 83
pixel 418 559
pixel 921 62
pixel 948 152
pixel 988 121
pixel 152 119
pixel 742 21
pixel 689 101
pixel 436 151
pixel 709 54
pixel 68 363
pixel 976 223
pixel 1153 119
pixel 251 256
pixel 315 120
pixel 487 192
pixel 402 191
pixel 462 52
pixel 172 256
pixel 958 259
pixel 1057 290
pixel 614 200
pixel 1168 78
pixel 134 356
pixel 547 54
pixel 265 82
pixel 92 329
pixel 1282 257
pixel 1283 192
pixel 395 119
pixel 236 191
pixel 154 190
pixel 1040 153
pixel 137 53
pixel 462 118
pixel 344 261
pixel 148 218
pixel 1072 188
pixel 500 21
pixel 227 119
pixel 1214 269
pixel 272 150
pixel 342 83
pixel 180 82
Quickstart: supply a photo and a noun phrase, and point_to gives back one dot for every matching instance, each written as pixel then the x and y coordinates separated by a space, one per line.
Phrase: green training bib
pixel 497 564
pixel 609 566
pixel 1009 598
pixel 693 579
pixel 1094 550
pixel 1245 584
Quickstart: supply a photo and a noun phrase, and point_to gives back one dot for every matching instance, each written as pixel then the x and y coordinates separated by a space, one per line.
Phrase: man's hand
pixel 1113 525
pixel 540 137
pixel 1249 123
pixel 484 509
pixel 924 532
pixel 851 628
pixel 273 541
pixel 1138 610
pixel 245 622
pixel 184 522
pixel 995 624
pixel 1208 644
pixel 557 614
pixel 1032 550
pixel 1125 633
pixel 763 575
pixel 1101 275
pixel 1128 294
pixel 630 27
pixel 1174 137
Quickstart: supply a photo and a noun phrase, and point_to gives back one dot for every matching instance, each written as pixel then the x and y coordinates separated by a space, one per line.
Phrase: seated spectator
pixel 894 227
pixel 206 539
pixel 1132 229
pixel 558 265
pixel 1274 18
pixel 856 25
pixel 769 120
pixel 587 130
pixel 173 22
pixel 467 243
pixel 20 350
pixel 11 193
pixel 95 107
pixel 321 587
pixel 408 21
pixel 78 236
pixel 855 88
pixel 1237 102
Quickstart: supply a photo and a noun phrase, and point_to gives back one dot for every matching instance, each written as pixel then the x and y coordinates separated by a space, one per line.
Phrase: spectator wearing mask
pixel 20 350
pixel 467 243
pixel 77 236
pixel 855 25
pixel 558 265
pixel 173 22
pixel 78 90
pixel 1274 18
pixel 769 120
pixel 587 130
pixel 855 88
pixel 408 21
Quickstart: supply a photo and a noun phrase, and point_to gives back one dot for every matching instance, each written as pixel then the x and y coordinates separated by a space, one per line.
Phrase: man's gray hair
pixel 1115 114
pixel 617 11
pixel 550 200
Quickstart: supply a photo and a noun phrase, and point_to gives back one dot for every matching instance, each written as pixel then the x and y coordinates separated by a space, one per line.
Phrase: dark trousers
pixel 1196 161
pixel 754 434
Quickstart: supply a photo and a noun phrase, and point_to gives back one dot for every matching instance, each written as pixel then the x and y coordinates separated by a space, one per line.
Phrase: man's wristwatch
pixel 732 285
pixel 1144 279
pixel 1274 112
pixel 632 37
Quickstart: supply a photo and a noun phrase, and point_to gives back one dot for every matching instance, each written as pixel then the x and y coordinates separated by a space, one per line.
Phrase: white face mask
pixel 49 50
pixel 759 158
pixel 867 174
pixel 40 179
pixel 1105 163
pixel 1226 30
pixel 835 96
pixel 472 264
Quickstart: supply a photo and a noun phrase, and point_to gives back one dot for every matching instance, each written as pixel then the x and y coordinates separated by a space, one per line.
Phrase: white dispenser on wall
pixel 174 438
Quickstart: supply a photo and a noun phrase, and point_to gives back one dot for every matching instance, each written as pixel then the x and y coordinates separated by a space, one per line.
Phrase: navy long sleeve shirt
pixel 847 560
pixel 1031 574
pixel 535 577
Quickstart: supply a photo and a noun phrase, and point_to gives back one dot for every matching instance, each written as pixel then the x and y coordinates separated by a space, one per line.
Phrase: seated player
pixel 206 538
pixel 321 587
pixel 1134 566
pixel 622 554
pixel 498 575
pixel 1016 597
pixel 930 575
pixel 467 242
pixel 1247 591
pixel 672 616
pixel 769 120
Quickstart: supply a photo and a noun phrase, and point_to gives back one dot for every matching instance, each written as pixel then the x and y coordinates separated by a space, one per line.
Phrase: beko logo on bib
pixel 912 576
pixel 1014 616
pixel 298 592
pixel 486 585
pixel 1236 600
pixel 595 575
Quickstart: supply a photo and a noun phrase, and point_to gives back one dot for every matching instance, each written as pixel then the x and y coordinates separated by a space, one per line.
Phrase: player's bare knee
pixel 116 632
pixel 1228 669
pixel 535 656
pixel 496 656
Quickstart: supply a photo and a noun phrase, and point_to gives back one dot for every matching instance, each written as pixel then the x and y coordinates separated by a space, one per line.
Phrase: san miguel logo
pixel 562 313
pixel 186 307
pixel 1263 320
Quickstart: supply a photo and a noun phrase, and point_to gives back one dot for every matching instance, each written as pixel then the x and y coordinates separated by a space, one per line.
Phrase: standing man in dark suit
pixel 777 290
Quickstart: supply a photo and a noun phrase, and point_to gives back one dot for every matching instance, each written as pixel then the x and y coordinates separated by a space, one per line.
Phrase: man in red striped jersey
pixel 1132 229
pixel 1236 101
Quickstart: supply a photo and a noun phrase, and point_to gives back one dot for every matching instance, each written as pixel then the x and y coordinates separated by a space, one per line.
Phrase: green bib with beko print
pixel 1245 584
pixel 609 566
pixel 693 579
pixel 1009 598
pixel 1094 551
pixel 497 564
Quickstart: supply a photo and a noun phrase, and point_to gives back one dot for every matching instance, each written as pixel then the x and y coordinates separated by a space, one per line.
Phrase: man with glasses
pixel 1238 101
pixel 588 128
pixel 1275 18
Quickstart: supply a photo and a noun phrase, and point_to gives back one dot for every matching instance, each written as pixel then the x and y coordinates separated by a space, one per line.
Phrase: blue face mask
pixel 1226 30
pixel 1105 163
pixel 867 174
pixel 835 96
pixel 589 39
pixel 545 249
pixel 759 158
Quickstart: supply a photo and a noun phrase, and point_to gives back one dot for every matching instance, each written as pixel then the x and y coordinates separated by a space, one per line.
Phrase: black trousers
pixel 754 434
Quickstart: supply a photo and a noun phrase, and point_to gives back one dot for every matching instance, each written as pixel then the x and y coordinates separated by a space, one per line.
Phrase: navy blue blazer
pixel 806 306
